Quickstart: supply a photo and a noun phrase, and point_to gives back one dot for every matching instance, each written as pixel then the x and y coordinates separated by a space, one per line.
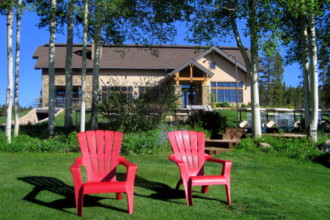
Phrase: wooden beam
pixel 177 79
pixel 192 79
pixel 191 72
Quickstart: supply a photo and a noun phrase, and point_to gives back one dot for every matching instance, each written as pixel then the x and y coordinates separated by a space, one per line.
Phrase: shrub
pixel 149 142
pixel 26 143
pixel 142 113
pixel 213 121
pixel 223 104
pixel 302 148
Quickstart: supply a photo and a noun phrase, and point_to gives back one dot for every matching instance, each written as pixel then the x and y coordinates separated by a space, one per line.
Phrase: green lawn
pixel 232 116
pixel 39 186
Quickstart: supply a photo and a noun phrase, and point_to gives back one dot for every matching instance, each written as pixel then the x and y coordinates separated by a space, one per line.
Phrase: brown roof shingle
pixel 128 56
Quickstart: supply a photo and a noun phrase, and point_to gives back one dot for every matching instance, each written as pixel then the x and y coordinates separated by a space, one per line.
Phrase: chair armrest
pixel 226 168
pixel 182 165
pixel 173 158
pixel 75 171
pixel 131 169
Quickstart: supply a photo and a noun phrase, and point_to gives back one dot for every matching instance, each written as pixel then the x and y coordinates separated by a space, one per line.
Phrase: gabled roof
pixel 165 57
pixel 230 57
pixel 197 65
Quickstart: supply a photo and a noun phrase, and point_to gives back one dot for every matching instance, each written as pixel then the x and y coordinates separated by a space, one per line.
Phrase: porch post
pixel 206 99
pixel 178 92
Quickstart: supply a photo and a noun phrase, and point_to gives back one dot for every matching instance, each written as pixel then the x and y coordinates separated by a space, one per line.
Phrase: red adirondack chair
pixel 100 156
pixel 188 153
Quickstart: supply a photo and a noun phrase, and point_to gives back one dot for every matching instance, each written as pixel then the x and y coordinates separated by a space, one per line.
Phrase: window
pixel 227 91
pixel 212 65
pixel 127 91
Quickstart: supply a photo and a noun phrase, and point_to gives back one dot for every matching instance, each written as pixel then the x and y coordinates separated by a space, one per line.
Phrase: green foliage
pixel 272 88
pixel 26 143
pixel 138 113
pixel 246 105
pixel 2 110
pixel 298 148
pixel 149 142
pixel 213 121
pixel 223 104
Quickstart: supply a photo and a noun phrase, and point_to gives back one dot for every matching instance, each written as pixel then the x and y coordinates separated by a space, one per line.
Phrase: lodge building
pixel 199 75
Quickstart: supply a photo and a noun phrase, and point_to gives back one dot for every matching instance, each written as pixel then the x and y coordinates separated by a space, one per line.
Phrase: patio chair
pixel 188 154
pixel 100 156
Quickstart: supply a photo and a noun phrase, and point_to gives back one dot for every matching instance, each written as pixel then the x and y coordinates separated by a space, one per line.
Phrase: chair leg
pixel 80 204
pixel 190 202
pixel 205 189
pixel 187 193
pixel 130 202
pixel 228 193
pixel 119 196
pixel 178 184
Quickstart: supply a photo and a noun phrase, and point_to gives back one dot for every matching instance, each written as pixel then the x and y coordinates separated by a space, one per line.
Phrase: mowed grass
pixel 39 186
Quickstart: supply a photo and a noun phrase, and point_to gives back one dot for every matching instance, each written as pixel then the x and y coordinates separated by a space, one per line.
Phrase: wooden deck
pixel 227 143
pixel 221 143
pixel 289 135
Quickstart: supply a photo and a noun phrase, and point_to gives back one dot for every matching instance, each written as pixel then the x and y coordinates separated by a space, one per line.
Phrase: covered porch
pixel 191 84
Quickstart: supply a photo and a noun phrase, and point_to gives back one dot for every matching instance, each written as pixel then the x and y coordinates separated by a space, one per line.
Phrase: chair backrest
pixel 100 153
pixel 188 146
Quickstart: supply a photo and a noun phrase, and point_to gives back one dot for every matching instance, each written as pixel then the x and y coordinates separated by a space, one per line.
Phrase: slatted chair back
pixel 100 153
pixel 188 146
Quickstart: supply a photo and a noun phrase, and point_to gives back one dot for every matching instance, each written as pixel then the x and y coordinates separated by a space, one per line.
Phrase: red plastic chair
pixel 100 156
pixel 188 153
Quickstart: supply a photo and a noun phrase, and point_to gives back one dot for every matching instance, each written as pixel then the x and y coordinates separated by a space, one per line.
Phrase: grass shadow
pixel 54 185
pixel 162 191
pixel 40 184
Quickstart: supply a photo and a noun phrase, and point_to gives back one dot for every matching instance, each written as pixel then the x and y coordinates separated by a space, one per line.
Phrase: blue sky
pixel 32 37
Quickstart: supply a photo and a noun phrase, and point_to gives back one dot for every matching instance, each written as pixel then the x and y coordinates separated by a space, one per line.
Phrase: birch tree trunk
pixel 17 62
pixel 68 67
pixel 305 64
pixel 83 71
pixel 313 79
pixel 256 120
pixel 51 101
pixel 96 68
pixel 9 95
pixel 252 69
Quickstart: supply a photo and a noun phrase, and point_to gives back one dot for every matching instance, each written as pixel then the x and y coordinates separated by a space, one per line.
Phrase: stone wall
pixel 178 91
pixel 206 95
pixel 60 82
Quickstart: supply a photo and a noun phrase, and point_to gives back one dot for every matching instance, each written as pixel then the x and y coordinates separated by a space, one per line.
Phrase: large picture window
pixel 227 91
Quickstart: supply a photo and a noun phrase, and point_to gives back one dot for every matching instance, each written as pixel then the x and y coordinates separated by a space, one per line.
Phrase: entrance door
pixel 189 94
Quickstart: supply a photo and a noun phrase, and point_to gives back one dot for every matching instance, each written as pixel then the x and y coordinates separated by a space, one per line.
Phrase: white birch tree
pixel 83 70
pixel 17 63
pixel 214 21
pixel 9 92
pixel 251 63
pixel 298 22
pixel 51 84
pixel 96 65
pixel 313 75
pixel 68 65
